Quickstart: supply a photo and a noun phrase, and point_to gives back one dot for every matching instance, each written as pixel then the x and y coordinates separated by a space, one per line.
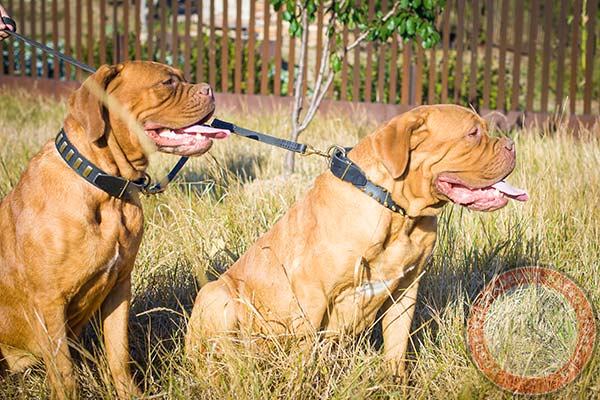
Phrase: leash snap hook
pixel 145 185
pixel 310 150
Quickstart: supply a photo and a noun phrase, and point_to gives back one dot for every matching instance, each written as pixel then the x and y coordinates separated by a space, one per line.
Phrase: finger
pixel 3 13
pixel 7 23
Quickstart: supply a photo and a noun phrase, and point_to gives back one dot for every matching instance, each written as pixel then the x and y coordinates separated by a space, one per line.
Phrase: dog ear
pixel 392 142
pixel 86 103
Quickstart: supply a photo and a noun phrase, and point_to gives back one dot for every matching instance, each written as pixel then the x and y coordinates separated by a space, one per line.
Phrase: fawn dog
pixel 67 245
pixel 339 256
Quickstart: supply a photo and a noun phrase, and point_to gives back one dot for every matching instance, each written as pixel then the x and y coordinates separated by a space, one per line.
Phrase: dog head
pixel 147 105
pixel 443 153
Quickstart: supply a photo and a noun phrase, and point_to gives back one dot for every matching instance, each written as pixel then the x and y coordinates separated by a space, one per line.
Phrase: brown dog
pixel 67 248
pixel 339 256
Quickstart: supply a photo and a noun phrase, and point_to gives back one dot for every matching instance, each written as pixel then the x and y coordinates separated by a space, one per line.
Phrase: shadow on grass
pixel 216 178
pixel 157 322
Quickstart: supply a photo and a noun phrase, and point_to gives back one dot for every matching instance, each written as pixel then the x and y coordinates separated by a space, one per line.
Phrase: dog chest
pixel 387 267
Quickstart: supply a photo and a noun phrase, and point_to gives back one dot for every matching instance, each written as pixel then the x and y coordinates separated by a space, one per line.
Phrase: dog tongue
pixel 207 131
pixel 513 192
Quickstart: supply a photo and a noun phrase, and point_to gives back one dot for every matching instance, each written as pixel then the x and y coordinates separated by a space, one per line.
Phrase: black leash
pixel 260 137
pixel 339 164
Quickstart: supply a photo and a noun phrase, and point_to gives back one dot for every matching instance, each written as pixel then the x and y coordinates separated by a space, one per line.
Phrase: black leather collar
pixel 116 186
pixel 342 167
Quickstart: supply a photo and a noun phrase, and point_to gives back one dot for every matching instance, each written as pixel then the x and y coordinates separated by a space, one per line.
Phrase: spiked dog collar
pixel 115 186
pixel 342 167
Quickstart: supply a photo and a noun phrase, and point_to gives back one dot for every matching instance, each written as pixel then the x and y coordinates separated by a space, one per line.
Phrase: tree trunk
pixel 289 161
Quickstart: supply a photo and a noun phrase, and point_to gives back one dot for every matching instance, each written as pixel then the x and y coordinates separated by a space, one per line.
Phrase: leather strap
pixel 342 167
pixel 115 186
pixel 260 137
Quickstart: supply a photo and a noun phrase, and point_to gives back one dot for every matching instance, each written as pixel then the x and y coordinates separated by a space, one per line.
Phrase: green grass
pixel 225 200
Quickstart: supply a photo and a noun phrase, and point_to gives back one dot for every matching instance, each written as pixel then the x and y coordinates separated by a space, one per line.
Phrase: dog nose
pixel 509 144
pixel 206 90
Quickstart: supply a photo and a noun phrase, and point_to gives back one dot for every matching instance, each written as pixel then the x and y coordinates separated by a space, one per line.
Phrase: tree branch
pixel 298 90
pixel 317 101
pixel 319 89
pixel 363 35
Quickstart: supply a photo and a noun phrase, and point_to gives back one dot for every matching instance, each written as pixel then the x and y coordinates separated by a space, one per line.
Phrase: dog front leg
pixel 115 319
pixel 396 326
pixel 54 346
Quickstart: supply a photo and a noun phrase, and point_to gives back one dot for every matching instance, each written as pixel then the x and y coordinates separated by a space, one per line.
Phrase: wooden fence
pixel 506 55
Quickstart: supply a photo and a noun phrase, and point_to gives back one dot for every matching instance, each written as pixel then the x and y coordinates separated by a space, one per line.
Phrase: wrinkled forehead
pixel 148 71
pixel 449 118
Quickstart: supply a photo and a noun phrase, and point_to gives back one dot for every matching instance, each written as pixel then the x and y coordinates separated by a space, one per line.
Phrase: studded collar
pixel 343 168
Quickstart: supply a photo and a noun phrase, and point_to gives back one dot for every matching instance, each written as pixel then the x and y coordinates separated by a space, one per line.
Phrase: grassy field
pixel 225 200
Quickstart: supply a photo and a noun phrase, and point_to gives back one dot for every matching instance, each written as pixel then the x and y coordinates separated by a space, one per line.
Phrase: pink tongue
pixel 506 188
pixel 207 131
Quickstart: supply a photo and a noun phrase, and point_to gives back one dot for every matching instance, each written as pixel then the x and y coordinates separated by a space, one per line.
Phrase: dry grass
pixel 225 200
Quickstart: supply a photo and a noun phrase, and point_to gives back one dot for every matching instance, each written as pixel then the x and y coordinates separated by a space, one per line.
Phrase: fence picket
pixel 560 56
pixel 590 49
pixel 574 54
pixel 224 46
pixel 518 37
pixel 474 50
pixel 489 40
pixel 532 54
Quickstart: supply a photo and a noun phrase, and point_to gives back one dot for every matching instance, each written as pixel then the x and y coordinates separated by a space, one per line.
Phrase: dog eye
pixel 474 133
pixel 169 82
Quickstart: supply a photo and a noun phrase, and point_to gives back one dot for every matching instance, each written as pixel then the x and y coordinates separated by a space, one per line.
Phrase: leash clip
pixel 145 186
pixel 310 150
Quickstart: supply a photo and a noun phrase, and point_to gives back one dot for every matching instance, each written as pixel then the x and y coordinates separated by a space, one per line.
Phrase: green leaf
pixel 336 63
pixel 295 29
pixel 410 26
pixel 287 16
pixel 276 4
pixel 402 29
pixel 391 25
pixel 311 9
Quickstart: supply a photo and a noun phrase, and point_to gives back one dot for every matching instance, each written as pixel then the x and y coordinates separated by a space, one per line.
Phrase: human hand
pixel 4 13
